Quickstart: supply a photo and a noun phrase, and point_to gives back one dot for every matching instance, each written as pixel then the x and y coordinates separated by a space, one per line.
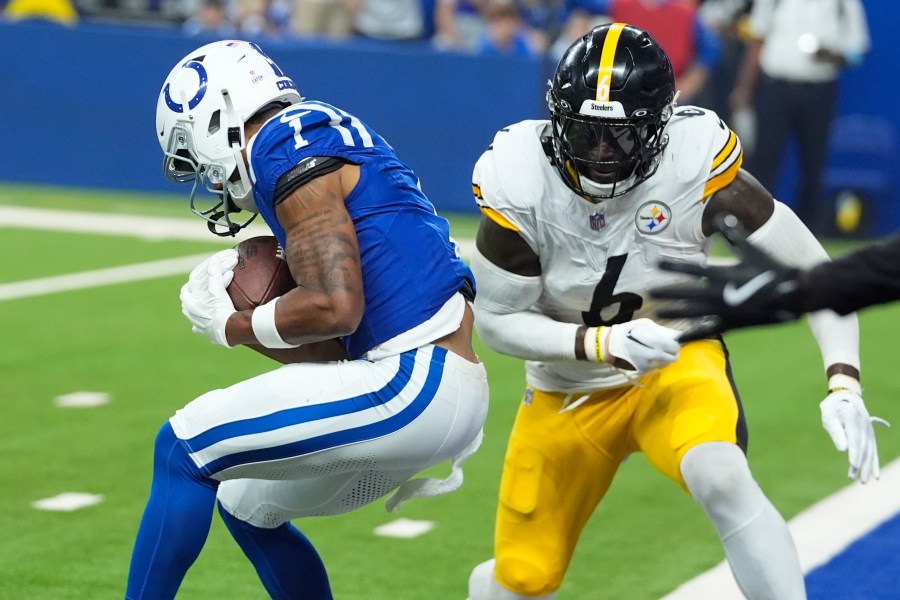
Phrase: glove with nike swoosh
pixel 757 290
pixel 640 345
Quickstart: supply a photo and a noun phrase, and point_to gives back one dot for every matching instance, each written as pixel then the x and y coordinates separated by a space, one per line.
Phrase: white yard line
pixel 68 501
pixel 404 528
pixel 100 277
pixel 821 532
pixel 143 227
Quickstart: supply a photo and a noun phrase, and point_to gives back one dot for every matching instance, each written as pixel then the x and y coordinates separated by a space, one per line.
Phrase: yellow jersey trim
pixel 725 151
pixel 724 178
pixel 497 218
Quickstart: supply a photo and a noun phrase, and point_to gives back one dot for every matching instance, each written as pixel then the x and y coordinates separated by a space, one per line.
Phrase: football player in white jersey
pixel 577 212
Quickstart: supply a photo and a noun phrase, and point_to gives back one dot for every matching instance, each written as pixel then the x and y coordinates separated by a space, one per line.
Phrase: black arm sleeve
pixel 860 279
pixel 305 171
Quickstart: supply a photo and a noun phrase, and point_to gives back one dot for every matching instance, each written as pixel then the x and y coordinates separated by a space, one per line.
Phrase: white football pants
pixel 326 438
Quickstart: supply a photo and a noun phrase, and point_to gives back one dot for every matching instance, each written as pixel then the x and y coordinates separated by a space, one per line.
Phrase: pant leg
pixel 359 467
pixel 813 129
pixel 558 466
pixel 773 126
pixel 175 524
pixel 285 560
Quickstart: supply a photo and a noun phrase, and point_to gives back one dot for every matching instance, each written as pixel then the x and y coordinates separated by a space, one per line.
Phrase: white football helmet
pixel 200 117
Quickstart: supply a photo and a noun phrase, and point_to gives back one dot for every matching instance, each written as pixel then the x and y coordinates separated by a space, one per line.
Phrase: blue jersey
pixel 410 267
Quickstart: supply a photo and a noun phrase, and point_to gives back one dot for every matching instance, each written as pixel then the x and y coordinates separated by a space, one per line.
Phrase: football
pixel 261 273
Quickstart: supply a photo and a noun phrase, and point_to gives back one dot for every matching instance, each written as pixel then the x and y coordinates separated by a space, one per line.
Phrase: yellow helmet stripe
pixel 607 55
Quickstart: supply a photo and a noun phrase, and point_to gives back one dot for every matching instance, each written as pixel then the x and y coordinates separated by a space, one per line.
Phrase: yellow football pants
pixel 558 466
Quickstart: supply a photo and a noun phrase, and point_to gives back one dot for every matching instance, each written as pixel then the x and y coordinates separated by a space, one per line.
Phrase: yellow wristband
pixel 598 346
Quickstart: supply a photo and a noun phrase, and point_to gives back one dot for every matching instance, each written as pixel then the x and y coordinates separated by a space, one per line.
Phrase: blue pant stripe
pixel 347 436
pixel 305 414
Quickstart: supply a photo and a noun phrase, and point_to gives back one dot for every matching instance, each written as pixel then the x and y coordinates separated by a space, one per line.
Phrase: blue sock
pixel 285 560
pixel 175 523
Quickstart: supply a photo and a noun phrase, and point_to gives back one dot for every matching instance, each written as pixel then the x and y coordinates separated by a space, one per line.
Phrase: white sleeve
pixel 786 237
pixel 505 321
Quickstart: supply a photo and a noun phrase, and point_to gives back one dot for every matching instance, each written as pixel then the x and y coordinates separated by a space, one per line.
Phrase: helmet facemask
pixel 610 99
pixel 219 189
pixel 604 158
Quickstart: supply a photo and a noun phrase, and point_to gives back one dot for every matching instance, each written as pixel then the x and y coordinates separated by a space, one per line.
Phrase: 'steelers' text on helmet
pixel 610 98
pixel 200 117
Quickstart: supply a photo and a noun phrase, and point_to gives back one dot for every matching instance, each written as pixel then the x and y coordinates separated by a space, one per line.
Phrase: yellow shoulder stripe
pixel 724 178
pixel 497 218
pixel 725 152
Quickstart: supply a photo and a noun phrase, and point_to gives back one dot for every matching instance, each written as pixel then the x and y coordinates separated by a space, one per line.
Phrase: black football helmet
pixel 610 98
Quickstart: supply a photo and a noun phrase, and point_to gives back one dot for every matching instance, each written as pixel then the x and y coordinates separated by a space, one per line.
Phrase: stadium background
pixel 78 133
pixel 83 95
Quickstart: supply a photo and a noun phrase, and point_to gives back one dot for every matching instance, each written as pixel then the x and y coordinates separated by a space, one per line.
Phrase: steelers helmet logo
pixel 652 217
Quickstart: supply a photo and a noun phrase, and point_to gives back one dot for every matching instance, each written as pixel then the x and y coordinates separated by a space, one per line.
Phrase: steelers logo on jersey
pixel 652 217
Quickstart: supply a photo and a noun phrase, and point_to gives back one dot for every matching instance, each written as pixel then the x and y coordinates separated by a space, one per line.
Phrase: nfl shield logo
pixel 598 221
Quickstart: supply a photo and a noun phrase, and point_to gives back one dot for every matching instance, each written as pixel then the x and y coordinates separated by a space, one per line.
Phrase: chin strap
pixel 214 222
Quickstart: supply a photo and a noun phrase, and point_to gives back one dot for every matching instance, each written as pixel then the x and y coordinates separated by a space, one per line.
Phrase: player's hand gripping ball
pixel 261 275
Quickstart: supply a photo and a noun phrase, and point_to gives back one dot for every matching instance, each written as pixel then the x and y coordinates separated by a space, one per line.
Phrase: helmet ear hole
pixel 214 122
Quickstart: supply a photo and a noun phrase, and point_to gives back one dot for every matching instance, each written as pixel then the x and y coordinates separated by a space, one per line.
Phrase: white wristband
pixel 594 339
pixel 263 323
pixel 844 382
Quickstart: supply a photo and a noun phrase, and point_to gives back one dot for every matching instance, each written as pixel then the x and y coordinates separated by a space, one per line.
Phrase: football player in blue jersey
pixel 375 268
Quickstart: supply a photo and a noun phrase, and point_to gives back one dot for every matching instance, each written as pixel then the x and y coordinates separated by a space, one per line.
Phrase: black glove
pixel 757 290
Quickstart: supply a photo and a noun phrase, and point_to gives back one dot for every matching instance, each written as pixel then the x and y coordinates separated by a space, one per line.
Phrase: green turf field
pixel 131 341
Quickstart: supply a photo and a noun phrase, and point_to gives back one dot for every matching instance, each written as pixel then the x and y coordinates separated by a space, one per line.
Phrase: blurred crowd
pixel 696 34
pixel 511 27
pixel 739 58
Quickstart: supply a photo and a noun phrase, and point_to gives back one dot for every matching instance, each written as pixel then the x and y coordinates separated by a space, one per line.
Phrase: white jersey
pixel 599 259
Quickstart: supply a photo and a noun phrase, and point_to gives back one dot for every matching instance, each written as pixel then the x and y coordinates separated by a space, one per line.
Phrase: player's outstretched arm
pixel 757 290
pixel 761 289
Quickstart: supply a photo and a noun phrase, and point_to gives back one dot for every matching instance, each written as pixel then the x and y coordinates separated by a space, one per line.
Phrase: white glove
pixel 845 418
pixel 204 300
pixel 640 345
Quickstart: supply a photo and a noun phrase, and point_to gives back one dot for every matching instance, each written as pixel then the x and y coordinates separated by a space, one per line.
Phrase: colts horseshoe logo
pixel 193 102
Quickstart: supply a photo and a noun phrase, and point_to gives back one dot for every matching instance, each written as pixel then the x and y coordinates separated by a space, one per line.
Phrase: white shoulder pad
pixel 508 178
pixel 705 147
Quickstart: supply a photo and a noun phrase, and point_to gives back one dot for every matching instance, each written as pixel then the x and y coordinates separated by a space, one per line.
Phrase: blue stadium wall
pixel 78 104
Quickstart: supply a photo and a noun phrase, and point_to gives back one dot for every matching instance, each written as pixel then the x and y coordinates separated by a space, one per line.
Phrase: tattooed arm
pixel 323 255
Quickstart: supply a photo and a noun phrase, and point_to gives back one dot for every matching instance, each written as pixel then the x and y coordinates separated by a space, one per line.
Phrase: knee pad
pixel 719 479
pixel 483 585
